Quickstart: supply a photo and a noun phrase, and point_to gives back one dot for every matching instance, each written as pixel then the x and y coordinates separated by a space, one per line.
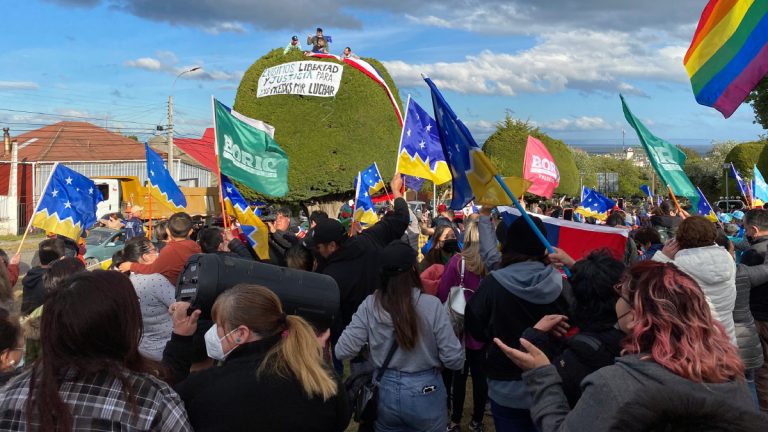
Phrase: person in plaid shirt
pixel 91 376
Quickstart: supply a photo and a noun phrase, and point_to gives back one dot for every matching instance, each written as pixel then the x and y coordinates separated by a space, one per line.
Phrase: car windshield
pixel 96 237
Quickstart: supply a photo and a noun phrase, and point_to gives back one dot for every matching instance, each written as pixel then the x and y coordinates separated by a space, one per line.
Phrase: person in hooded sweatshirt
pixel 678 372
pixel 509 300
pixel 694 251
pixel 33 290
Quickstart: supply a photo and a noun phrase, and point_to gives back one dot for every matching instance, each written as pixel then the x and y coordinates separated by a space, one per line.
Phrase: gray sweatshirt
pixel 437 345
pixel 634 394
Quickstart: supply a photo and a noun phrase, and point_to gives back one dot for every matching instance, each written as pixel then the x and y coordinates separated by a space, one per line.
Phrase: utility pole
pixel 170 119
pixel 170 135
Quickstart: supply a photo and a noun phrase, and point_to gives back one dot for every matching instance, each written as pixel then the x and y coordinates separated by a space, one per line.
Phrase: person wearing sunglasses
pixel 678 369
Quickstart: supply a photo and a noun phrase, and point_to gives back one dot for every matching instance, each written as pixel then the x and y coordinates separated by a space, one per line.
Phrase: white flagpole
pixel 224 216
pixel 402 131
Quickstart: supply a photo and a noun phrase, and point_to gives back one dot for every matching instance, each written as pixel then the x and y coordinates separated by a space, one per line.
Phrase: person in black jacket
pixel 33 291
pixel 353 261
pixel 593 339
pixel 756 230
pixel 272 376
pixel 666 220
pixel 280 236
pixel 211 240
pixel 508 301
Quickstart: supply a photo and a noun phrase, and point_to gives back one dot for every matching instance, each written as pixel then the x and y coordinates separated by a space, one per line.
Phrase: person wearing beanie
pixel 509 300
pixel 399 316
pixel 353 262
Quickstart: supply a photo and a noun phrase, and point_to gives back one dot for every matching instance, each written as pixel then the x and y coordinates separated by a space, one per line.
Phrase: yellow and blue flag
pixel 371 178
pixel 420 153
pixel 253 227
pixel 759 189
pixel 161 183
pixel 472 172
pixel 364 210
pixel 704 209
pixel 68 203
pixel 594 204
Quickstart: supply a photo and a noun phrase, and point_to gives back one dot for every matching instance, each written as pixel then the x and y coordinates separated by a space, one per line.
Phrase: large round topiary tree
pixel 506 148
pixel 327 139
pixel 745 156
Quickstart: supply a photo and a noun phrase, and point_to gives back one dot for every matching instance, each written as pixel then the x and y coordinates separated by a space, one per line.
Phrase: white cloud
pixel 582 60
pixel 579 123
pixel 167 62
pixel 480 129
pixel 18 85
pixel 225 27
pixel 147 63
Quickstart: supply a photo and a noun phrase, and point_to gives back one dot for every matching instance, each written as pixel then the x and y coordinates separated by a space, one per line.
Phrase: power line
pixel 70 116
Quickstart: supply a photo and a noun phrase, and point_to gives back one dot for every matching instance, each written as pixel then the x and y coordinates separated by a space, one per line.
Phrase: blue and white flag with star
pixel 734 174
pixel 371 179
pixel 421 154
pixel 68 203
pixel 759 189
pixel 364 210
pixel 161 183
pixel 256 232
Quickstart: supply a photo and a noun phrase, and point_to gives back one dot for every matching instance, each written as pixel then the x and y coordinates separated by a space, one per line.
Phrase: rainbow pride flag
pixel 729 53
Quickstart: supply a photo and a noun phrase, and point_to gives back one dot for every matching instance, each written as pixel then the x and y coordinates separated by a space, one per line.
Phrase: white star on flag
pixel 409 132
pixel 67 205
pixel 55 193
pixel 429 127
pixel 90 191
pixel 365 194
pixel 422 144
pixel 151 173
pixel 69 180
pixel 229 189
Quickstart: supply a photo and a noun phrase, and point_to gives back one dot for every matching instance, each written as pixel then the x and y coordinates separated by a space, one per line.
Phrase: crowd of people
pixel 672 335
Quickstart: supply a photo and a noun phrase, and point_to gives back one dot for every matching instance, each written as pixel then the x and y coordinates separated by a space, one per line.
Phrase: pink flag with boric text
pixel 539 167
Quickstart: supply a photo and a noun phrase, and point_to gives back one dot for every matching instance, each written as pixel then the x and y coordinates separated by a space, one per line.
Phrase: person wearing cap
pixel 412 395
pixel 294 44
pixel 353 262
pixel 318 42
pixel 738 218
pixel 509 300
pixel 134 226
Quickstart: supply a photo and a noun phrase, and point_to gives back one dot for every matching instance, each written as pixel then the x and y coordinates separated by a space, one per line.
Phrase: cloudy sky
pixel 558 63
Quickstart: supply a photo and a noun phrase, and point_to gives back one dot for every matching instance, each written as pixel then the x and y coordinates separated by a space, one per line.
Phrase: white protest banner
pixel 308 78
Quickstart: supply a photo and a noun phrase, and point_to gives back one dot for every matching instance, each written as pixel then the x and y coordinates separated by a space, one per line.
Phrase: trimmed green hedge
pixel 744 156
pixel 506 148
pixel 328 140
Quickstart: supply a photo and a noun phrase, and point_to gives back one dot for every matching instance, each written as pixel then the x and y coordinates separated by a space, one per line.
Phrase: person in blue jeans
pixel 412 396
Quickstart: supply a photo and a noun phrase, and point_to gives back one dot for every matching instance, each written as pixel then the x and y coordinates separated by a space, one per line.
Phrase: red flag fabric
pixel 577 239
pixel 539 167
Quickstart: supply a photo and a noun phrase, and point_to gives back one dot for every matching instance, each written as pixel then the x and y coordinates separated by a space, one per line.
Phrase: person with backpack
pixel 587 339
pixel 678 370
pixel 462 276
pixel 410 339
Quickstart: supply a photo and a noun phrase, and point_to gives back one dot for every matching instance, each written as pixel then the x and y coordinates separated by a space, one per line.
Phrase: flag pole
pixel 677 204
pixel 224 216
pixel 149 208
pixel 528 219
pixel 37 207
pixel 354 204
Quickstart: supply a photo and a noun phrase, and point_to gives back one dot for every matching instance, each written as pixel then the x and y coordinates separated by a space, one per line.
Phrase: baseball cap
pixel 295 38
pixel 738 214
pixel 326 231
pixel 441 208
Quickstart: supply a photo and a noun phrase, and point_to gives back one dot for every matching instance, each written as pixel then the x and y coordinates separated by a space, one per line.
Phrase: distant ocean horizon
pixel 702 146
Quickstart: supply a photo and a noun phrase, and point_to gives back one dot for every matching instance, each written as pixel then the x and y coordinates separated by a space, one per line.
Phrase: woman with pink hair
pixel 678 370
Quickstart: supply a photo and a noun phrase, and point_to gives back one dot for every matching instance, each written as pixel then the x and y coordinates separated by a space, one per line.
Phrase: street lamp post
pixel 727 197
pixel 170 119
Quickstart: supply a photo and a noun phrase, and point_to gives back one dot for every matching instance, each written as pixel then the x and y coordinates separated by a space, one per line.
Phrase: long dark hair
pixel 395 298
pixel 434 255
pixel 91 325
pixel 132 251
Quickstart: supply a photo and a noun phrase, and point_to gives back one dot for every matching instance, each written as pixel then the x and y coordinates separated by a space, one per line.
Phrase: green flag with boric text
pixel 248 152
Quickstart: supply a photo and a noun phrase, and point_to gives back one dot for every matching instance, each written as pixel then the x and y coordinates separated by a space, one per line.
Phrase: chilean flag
pixel 577 239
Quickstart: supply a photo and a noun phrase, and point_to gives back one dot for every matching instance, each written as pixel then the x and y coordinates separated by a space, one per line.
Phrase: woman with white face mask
pixel 272 376
pixel 11 346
